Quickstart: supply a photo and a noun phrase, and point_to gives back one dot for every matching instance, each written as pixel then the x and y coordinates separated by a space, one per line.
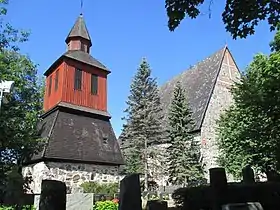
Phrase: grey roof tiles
pixel 198 82
pixel 79 30
pixel 75 137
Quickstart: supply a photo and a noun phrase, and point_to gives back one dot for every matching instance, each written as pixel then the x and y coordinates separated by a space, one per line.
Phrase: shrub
pixel 106 205
pixel 153 197
pixel 97 188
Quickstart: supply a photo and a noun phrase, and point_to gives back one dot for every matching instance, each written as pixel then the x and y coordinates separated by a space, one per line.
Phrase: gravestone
pixel 273 176
pixel 83 201
pixel 53 195
pixel 247 195
pixel 130 193
pixel 218 183
pixel 243 206
pixel 157 205
pixel 248 175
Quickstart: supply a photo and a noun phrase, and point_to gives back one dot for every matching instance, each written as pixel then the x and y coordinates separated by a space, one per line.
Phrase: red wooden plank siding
pixel 84 97
pixel 66 92
pixel 55 96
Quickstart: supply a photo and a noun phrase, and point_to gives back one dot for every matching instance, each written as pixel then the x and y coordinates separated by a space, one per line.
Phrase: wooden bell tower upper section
pixel 76 78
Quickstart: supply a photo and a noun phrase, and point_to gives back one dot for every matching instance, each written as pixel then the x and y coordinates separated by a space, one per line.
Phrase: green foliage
pixel 153 198
pixel 27 207
pixel 9 36
pixel 106 205
pixel 240 17
pixel 94 187
pixel 184 153
pixel 249 130
pixel 143 120
pixel 19 138
pixel 165 197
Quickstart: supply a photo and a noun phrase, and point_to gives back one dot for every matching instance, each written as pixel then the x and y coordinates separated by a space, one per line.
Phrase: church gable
pixel 229 72
pixel 220 100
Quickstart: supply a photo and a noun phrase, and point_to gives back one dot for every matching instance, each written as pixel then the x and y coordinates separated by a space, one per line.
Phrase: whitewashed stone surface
pixel 220 100
pixel 72 174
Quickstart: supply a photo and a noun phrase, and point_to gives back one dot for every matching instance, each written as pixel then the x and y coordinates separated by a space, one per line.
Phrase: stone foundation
pixel 72 174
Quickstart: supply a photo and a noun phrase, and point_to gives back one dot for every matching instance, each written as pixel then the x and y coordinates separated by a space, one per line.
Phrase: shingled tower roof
pixel 198 82
pixel 79 30
pixel 78 136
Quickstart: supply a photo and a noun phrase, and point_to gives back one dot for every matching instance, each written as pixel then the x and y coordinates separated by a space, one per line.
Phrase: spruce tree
pixel 143 121
pixel 184 166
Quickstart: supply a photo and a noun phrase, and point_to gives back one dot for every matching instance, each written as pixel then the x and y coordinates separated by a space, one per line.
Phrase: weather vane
pixel 82 4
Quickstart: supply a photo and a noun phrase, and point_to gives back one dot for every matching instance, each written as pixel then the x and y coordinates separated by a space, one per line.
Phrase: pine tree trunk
pixel 146 165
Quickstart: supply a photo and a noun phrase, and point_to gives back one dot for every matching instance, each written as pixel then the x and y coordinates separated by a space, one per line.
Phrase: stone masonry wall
pixel 72 174
pixel 221 99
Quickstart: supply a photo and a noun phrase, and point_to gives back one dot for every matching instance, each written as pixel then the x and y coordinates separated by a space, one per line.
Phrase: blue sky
pixel 123 32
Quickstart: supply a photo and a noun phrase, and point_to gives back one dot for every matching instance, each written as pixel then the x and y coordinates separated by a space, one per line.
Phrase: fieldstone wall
pixel 221 99
pixel 72 174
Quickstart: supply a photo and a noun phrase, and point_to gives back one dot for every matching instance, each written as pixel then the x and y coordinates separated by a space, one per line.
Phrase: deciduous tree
pixel 249 130
pixel 19 137
pixel 240 17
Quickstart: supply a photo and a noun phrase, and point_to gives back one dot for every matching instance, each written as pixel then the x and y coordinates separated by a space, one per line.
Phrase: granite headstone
pixel 53 195
pixel 157 205
pixel 130 193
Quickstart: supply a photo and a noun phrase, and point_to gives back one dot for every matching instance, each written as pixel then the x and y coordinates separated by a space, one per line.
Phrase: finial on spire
pixel 82 4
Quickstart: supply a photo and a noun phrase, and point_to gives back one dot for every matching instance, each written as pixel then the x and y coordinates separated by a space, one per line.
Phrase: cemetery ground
pixel 219 194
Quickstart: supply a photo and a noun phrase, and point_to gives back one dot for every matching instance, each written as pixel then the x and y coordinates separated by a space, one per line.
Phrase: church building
pixel 79 142
pixel 207 85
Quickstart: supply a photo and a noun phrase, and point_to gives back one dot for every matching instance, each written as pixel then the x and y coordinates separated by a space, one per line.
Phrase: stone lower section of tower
pixel 73 174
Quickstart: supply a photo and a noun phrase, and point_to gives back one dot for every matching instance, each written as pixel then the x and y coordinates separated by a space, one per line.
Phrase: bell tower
pixel 77 78
pixel 79 138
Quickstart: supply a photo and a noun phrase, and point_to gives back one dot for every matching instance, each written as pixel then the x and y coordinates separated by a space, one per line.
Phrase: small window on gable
pixel 94 84
pixel 56 80
pixel 105 139
pixel 50 85
pixel 78 79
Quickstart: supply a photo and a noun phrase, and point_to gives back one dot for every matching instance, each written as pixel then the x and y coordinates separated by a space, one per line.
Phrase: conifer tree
pixel 143 121
pixel 184 166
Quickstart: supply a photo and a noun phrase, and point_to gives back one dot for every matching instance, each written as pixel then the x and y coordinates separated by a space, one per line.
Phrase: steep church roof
pixel 79 30
pixel 78 137
pixel 198 82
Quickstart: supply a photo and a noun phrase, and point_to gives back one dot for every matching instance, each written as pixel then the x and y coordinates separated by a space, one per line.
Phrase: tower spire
pixel 78 38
